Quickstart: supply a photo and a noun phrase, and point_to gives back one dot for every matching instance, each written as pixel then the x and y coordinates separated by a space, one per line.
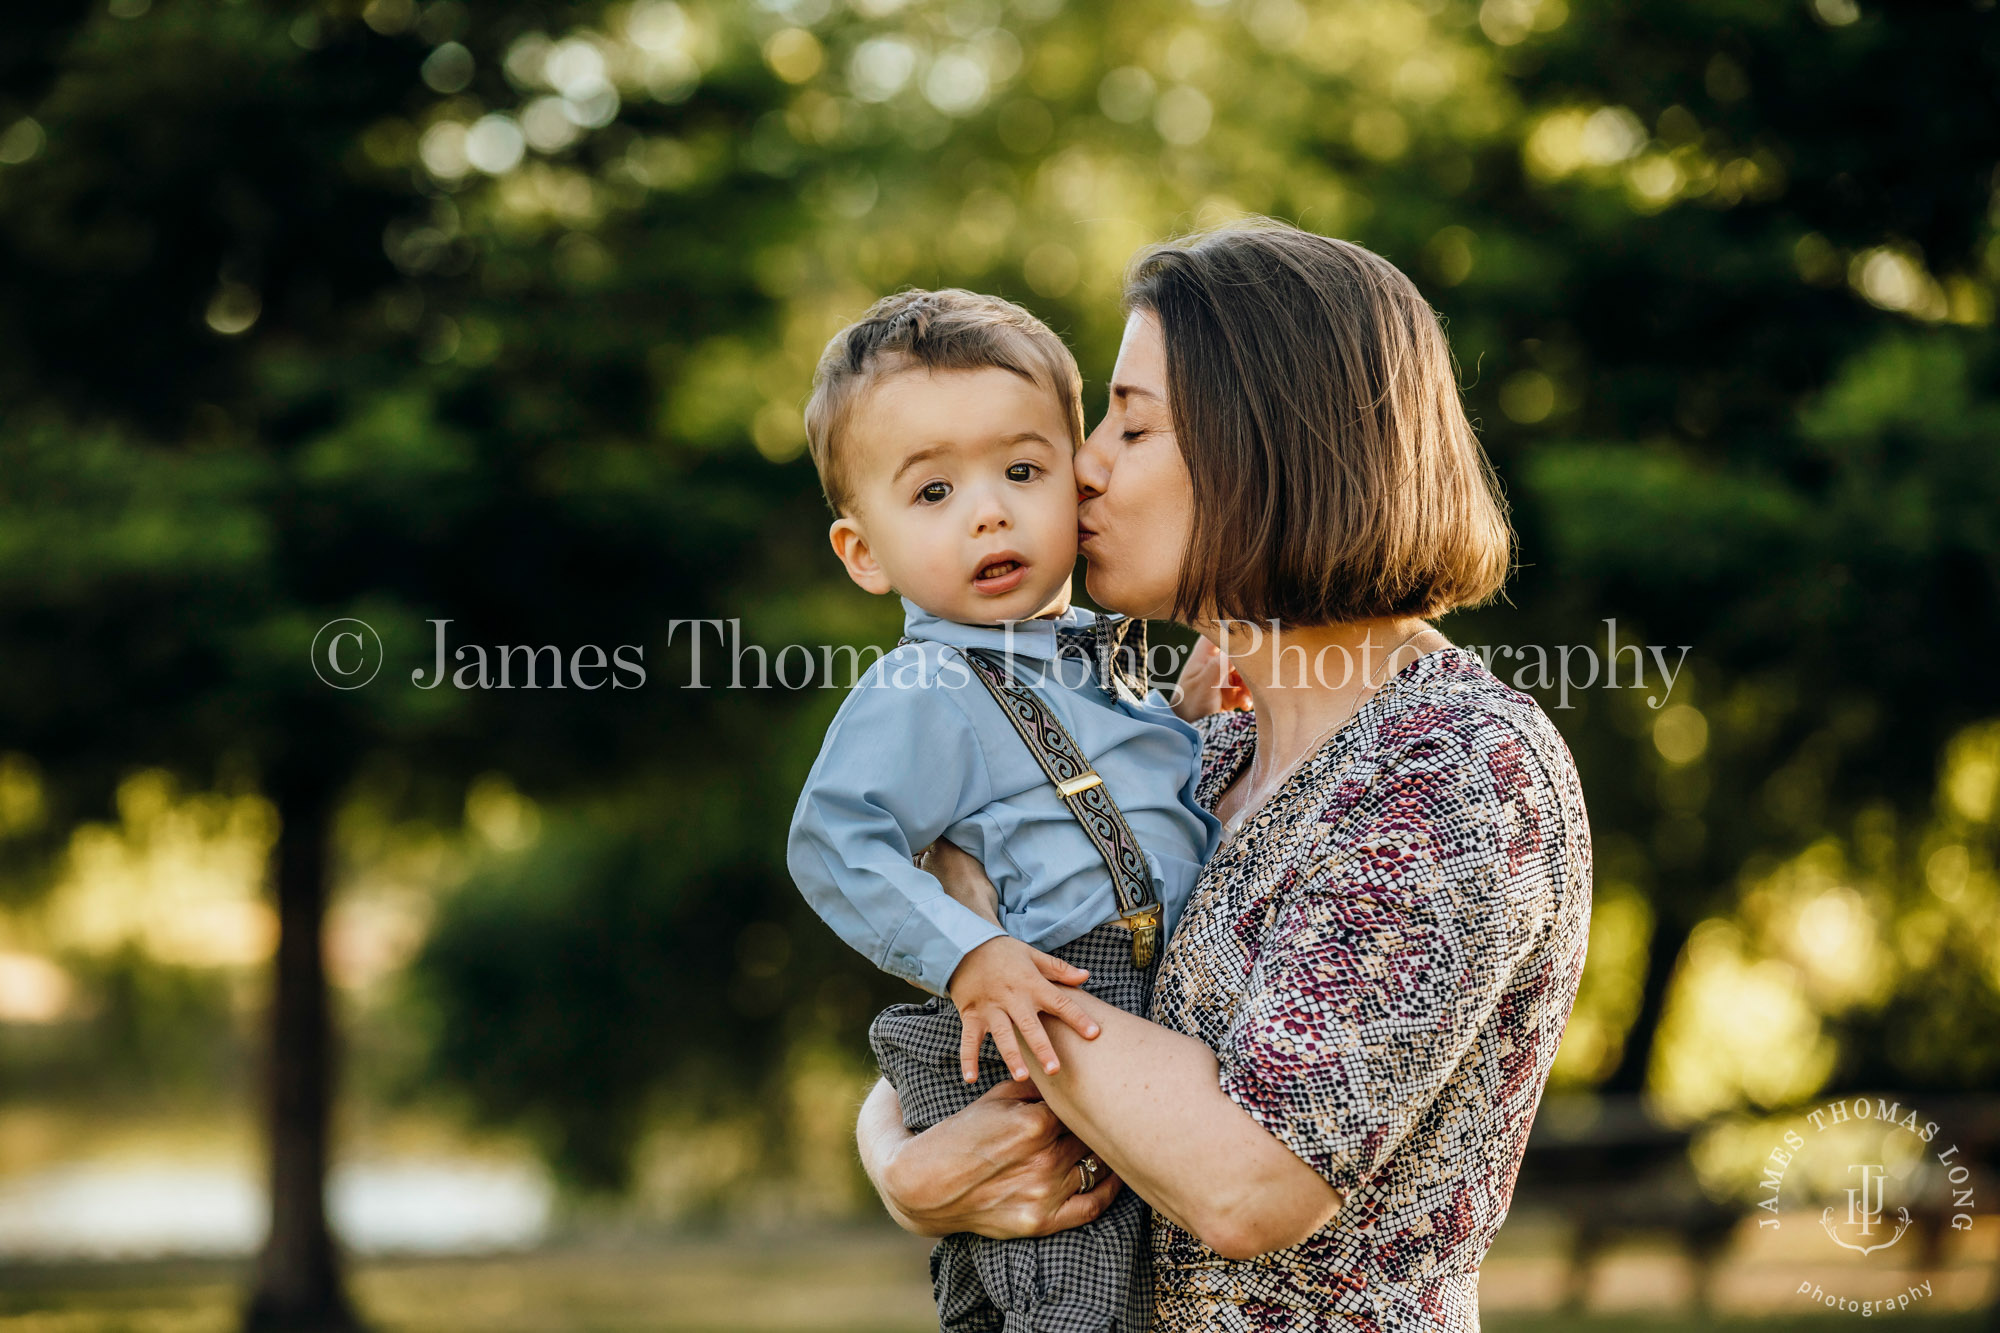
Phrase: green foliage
pixel 142 1030
pixel 568 981
pixel 503 313
pixel 603 975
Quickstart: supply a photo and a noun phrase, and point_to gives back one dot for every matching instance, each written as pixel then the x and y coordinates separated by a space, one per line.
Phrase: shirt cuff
pixel 934 940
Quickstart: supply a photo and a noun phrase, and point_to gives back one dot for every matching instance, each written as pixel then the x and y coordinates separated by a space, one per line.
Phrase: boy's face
pixel 964 496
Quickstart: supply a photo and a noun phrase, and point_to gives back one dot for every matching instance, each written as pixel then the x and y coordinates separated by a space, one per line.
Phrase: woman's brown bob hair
pixel 1315 401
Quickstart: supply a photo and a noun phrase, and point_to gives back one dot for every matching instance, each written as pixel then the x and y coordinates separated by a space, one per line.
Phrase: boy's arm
pixel 1003 984
pixel 898 767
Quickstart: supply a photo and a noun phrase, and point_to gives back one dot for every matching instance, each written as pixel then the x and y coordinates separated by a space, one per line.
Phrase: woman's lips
pixel 1015 572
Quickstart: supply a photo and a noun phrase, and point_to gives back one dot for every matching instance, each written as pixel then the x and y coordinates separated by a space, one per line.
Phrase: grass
pixel 828 1284
pixel 863 1282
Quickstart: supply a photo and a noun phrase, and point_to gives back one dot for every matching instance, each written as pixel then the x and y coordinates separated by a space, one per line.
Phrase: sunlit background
pixel 503 314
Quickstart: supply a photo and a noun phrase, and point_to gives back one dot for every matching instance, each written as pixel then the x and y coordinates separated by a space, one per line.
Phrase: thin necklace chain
pixel 1253 799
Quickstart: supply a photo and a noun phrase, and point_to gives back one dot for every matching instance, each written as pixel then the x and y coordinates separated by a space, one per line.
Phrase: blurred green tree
pixel 1740 403
pixel 287 341
pixel 503 316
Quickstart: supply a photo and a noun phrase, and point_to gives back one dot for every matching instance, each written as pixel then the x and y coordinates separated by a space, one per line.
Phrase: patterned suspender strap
pixel 1083 791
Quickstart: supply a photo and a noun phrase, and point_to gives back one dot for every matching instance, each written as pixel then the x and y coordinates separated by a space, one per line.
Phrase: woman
pixel 1354 1021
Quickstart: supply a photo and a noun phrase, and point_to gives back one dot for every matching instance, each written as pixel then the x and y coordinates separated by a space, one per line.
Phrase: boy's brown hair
pixel 948 329
pixel 1316 404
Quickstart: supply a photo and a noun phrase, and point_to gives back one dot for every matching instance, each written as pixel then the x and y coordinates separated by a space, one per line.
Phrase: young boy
pixel 943 425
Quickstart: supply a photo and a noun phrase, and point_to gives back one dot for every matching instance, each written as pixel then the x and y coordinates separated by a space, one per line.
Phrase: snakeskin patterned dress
pixel 1383 958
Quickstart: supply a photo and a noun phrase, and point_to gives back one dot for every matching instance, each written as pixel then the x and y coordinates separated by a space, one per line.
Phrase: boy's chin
pixel 1055 601
pixel 1020 604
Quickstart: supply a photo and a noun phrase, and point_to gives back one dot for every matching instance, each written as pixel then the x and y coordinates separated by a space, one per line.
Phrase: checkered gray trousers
pixel 1095 1278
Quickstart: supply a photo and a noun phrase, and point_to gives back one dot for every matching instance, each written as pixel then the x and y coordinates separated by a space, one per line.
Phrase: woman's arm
pixel 1150 1098
pixel 1003 1167
pixel 879 1135
pixel 1149 1101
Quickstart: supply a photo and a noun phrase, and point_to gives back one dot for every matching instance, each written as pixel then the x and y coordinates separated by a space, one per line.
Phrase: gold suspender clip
pixel 1083 781
pixel 1145 927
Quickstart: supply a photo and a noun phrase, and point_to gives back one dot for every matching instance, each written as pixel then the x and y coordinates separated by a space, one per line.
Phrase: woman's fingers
pixel 949 860
pixel 1085 1207
pixel 1056 1170
pixel 1056 1165
pixel 964 878
pixel 1021 1092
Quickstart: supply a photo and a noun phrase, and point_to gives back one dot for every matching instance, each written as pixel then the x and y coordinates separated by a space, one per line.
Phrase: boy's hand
pixel 1004 984
pixel 1208 684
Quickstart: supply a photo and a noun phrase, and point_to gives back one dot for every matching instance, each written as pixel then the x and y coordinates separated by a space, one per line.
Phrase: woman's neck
pixel 1305 680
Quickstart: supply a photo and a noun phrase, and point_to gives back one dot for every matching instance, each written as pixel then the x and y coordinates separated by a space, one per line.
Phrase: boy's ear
pixel 850 543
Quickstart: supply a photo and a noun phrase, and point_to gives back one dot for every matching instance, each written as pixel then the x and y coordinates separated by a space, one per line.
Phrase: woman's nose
pixel 1093 462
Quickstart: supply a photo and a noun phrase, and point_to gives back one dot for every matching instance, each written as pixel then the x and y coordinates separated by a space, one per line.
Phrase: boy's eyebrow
pixel 917 456
pixel 930 451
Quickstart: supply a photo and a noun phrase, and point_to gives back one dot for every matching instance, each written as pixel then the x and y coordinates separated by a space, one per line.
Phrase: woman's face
pixel 1136 503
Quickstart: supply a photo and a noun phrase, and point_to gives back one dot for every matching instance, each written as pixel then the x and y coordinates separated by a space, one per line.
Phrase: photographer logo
pixel 1864 1214
pixel 1867 1169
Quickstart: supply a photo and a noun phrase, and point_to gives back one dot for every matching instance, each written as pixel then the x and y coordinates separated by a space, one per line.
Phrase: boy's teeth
pixel 996 570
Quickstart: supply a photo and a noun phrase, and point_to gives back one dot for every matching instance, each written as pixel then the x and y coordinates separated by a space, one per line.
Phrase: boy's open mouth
pixel 1003 573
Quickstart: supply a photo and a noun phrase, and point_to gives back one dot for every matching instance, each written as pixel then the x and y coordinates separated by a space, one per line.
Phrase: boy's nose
pixel 990 518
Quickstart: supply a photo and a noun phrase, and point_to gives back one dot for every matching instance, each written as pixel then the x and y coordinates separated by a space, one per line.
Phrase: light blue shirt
pixel 919 750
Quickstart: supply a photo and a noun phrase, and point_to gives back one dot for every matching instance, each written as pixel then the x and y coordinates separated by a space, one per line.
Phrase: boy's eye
pixel 1022 472
pixel 934 492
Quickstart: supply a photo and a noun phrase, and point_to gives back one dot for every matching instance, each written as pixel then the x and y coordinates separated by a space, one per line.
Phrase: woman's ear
pixel 850 544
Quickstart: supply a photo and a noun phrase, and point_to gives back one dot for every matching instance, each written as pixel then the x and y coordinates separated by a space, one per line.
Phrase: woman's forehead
pixel 1142 359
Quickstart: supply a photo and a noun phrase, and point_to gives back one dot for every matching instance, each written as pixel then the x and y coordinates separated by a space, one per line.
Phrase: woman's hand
pixel 1208 684
pixel 1004 1167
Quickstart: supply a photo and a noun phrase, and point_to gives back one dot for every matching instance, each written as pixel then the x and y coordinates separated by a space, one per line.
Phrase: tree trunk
pixel 299 1287
pixel 1663 951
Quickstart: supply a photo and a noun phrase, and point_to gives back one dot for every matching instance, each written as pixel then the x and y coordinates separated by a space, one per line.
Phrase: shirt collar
pixel 1034 640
